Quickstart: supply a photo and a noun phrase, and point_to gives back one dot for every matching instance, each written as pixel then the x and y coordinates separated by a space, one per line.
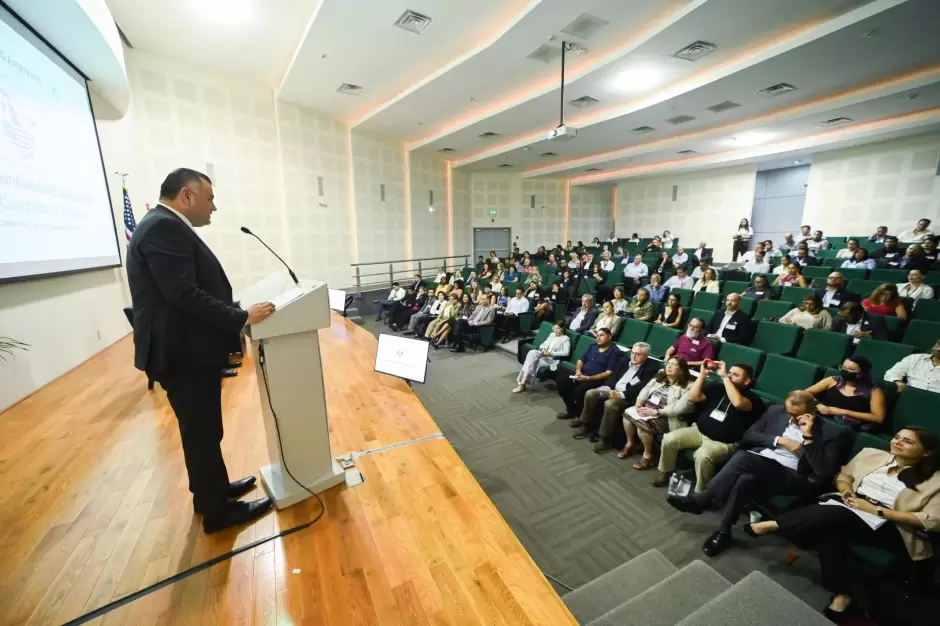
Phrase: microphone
pixel 289 270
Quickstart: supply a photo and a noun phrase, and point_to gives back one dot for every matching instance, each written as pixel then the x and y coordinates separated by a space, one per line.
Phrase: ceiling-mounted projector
pixel 562 133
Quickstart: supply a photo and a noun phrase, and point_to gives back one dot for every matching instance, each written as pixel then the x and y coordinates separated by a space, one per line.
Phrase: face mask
pixel 847 376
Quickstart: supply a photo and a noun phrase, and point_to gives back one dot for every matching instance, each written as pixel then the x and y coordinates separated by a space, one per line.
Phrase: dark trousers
pixel 196 398
pixel 572 392
pixel 461 328
pixel 507 324
pixel 739 247
pixel 630 286
pixel 747 473
pixel 831 530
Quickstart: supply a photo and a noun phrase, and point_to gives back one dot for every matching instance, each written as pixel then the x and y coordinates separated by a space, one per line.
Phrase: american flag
pixel 129 222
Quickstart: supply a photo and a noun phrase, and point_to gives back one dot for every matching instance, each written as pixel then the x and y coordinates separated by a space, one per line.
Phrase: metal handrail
pixel 404 271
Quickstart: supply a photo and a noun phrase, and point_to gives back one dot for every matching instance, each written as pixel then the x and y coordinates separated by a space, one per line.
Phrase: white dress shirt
pixel 397 294
pixel 828 295
pixel 755 267
pixel 698 271
pixel 620 306
pixel 178 214
pixel 680 283
pixel 920 371
pixel 724 322
pixel 517 306
pixel 907 290
pixel 578 320
pixel 813 245
pixel 629 378
pixel 680 259
pixel 909 236
pixel 882 487
pixel 780 454
pixel 845 253
pixel 607 266
pixel 636 271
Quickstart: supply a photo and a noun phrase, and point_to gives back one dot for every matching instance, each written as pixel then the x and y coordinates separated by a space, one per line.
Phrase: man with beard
pixel 692 346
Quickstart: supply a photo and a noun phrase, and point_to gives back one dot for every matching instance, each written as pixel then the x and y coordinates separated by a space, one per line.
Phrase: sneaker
pixel 519 389
pixel 563 415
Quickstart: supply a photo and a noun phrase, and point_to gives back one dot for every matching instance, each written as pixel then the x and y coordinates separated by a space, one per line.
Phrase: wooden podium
pixel 290 383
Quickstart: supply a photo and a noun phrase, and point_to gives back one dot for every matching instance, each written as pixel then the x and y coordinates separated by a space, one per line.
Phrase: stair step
pixel 756 599
pixel 669 600
pixel 612 589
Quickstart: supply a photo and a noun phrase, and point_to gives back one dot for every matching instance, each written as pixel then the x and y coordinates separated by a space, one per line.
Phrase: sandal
pixel 644 464
pixel 626 453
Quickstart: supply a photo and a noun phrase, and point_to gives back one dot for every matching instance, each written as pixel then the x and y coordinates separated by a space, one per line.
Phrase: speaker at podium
pixel 290 384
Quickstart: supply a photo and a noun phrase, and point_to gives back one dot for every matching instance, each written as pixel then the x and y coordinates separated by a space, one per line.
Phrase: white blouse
pixel 882 487
pixel 906 290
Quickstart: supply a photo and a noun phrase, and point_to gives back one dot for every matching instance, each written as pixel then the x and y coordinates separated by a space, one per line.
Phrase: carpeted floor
pixel 579 514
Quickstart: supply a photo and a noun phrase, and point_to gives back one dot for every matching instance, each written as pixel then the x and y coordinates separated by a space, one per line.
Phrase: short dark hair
pixel 925 219
pixel 604 329
pixel 747 369
pixel 395 285
pixel 805 226
pixel 880 227
pixel 179 178
pixel 894 237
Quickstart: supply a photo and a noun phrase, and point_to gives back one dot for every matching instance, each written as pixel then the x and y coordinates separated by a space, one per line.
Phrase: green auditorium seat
pixel 927 310
pixel 747 304
pixel 705 300
pixel 922 334
pixel 781 375
pixel 633 331
pixel 545 329
pixel 703 314
pixel 864 288
pixel 889 276
pixel 525 323
pixel 828 254
pixel 837 243
pixel 856 273
pixel 587 285
pixel 734 286
pixel 824 347
pixel 733 354
pixel 578 348
pixel 916 407
pixel 795 295
pixel 832 262
pixel 882 354
pixel 771 309
pixel 660 339
pixel 867 440
pixel 817 272
pixel 685 295
pixel 776 338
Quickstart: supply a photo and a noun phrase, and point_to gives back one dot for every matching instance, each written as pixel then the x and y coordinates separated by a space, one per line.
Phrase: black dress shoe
pixel 717 543
pixel 234 364
pixel 235 489
pixel 458 349
pixel 229 373
pixel 685 504
pixel 236 514
pixel 594 438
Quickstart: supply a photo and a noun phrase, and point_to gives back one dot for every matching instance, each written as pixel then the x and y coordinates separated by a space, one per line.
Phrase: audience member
pixel 758 265
pixel 442 272
pixel 915 287
pixel 681 280
pixel 633 273
pixel 663 265
pixel 741 239
pixel 568 284
pixel 599 362
pixel 641 308
pixel 901 486
pixel 793 277
pixel 784 266
pixel 672 314
pixel 458 287
pixel 655 245
pixel 890 251
pixel 436 326
pixel 913 258
pixel 916 234
pixel 788 245
pixel 854 320
pixel 811 315
pixel 881 233
pixel 708 282
pixel 422 318
pixel 884 300
pixel 394 296
pixel 618 255
pixel 512 276
pixel 848 252
pixel 445 330
pixel 606 320
pixel 760 290
pixel 930 248
pixel 584 317
pixel 634 238
pixel 835 293
pixel 805 233
pixel 692 345
pixel 497 286
pixel 606 264
pixel 401 316
pixel 920 371
pixel 546 306
pixel 532 292
pixel 770 252
pixel 485 274
pixel 700 269
pixel 788 451
pixel 803 256
pixel 701 253
pixel 861 260
pixel 667 239
pixel 655 289
pixel 484 314
pixel 620 303
pixel 658 410
pixel 818 242
pixel 728 409
pixel 731 325
pixel 680 258
pixel 556 347
pixel 851 398
pixel 611 238
pixel 508 322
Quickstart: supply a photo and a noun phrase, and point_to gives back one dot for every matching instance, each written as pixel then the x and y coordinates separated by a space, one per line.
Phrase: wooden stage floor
pixel 95 506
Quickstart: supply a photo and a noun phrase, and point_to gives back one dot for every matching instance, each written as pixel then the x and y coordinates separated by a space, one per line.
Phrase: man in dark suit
pixel 417 284
pixel 891 251
pixel 584 318
pixel 835 293
pixel 185 324
pixel 788 451
pixel 856 321
pixel 731 325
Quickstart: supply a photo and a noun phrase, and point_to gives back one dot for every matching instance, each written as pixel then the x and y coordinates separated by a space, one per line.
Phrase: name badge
pixel 695 342
pixel 758 293
pixel 855 340
pixel 835 302
pixel 634 381
pixel 731 326
pixel 654 399
pixel 718 415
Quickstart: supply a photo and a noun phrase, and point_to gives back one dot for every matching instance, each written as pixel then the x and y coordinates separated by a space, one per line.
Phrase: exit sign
pixel 492 211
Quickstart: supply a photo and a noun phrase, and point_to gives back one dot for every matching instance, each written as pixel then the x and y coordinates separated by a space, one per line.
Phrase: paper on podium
pixel 268 289
pixel 282 300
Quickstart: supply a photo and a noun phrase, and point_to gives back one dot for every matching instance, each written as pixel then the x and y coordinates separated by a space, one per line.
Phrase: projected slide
pixel 402 357
pixel 55 214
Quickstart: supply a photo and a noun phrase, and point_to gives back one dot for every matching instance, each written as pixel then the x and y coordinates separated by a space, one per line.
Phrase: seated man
pixel 881 233
pixel 920 371
pixel 788 451
pixel 394 296
pixel 583 318
pixel 590 371
pixel 856 321
pixel 692 346
pixel 835 294
pixel 890 252
pixel 483 315
pixel 757 265
pixel 632 274
pixel 810 315
pixel 681 280
pixel 617 393
pixel 930 245
pixel 508 322
pixel 731 325
pixel 680 258
pixel 729 409
pixel 703 267
pixel 817 242
pixel 916 234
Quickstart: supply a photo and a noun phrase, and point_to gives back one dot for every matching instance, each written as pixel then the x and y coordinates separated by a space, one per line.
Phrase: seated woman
pixel 463 312
pixel 793 277
pixel 620 303
pixel 535 275
pixel 419 321
pixel 443 287
pixel 914 287
pixel 448 312
pixel 569 284
pixel 667 239
pixel 901 486
pixel 503 300
pixel 475 291
pixel 641 308
pixel 525 267
pixel 657 410
pixel 708 282
pixel 784 266
pixel 546 306
pixel 760 290
pixel 532 291
pixel 861 260
pixel 656 290
pixel 672 313
pixel 552 260
pixel 512 277
pixel 856 321
pixel 852 398
pixel 885 300
pixel 849 251
pixel 811 315
pixel 656 245
pixel 607 319
pixel 458 287
pixel 401 315
pixel 634 238
pixel 486 273
pixel 663 265
pixel 497 284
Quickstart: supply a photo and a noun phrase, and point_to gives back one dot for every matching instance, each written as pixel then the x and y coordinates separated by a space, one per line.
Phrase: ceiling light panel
pixel 695 51
pixel 836 121
pixel 585 26
pixel 413 22
pixel 489 135
pixel 548 154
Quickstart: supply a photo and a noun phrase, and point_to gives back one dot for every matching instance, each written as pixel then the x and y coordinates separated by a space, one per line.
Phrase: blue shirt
pixel 656 293
pixel 594 361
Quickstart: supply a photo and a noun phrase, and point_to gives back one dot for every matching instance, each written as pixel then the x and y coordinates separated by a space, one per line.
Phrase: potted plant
pixel 8 346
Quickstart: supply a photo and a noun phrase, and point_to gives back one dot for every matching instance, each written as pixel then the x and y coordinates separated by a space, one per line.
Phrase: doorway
pixel 778 203
pixel 486 239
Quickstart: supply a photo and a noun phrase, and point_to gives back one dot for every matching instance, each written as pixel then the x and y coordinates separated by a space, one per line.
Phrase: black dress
pixel 673 315
pixel 860 403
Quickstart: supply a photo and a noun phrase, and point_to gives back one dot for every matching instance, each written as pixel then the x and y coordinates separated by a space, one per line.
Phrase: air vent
pixel 642 130
pixel 721 107
pixel 585 26
pixel 837 121
pixel 545 53
pixel 776 90
pixel 680 119
pixel 695 51
pixel 686 152
pixel 594 169
pixel 489 135
pixel 503 166
pixel 350 89
pixel 446 150
pixel 584 102
pixel 548 154
pixel 413 22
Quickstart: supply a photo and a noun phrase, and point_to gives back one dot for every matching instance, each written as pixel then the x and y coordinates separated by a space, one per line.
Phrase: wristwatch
pixel 880 511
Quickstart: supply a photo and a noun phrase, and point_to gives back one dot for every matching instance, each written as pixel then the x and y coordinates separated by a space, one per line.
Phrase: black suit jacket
pixel 644 374
pixel 184 318
pixel 874 324
pixel 820 460
pixel 740 334
pixel 843 295
pixel 418 285
pixel 588 322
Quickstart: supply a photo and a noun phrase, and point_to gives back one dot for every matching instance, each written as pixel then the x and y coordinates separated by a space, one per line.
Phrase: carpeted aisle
pixel 579 514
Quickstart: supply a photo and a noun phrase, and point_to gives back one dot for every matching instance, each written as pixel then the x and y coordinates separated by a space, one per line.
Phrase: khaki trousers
pixel 613 410
pixel 708 453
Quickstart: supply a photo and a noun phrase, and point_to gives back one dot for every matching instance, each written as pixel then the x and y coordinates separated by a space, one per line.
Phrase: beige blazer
pixel 677 401
pixel 924 503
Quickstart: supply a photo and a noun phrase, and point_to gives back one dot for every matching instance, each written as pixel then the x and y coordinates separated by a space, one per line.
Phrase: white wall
pixel 510 196
pixel 429 231
pixel 380 225
pixel 894 183
pixel 590 213
pixel 462 212
pixel 709 205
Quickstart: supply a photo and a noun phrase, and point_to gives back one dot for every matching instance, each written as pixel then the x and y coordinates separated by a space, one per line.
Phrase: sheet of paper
pixel 874 522
pixel 282 300
pixel 632 412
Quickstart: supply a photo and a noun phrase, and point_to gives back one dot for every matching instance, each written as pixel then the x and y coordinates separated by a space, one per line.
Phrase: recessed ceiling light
pixel 680 119
pixel 796 162
pixel 642 130
pixel 525 149
pixel 584 26
pixel 548 154
pixel 912 96
pixel 230 13
pixel 721 107
pixel 594 169
pixel 446 150
pixel 504 165
pixel 836 121
pixel 638 79
pixel 686 152
pixel 584 102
